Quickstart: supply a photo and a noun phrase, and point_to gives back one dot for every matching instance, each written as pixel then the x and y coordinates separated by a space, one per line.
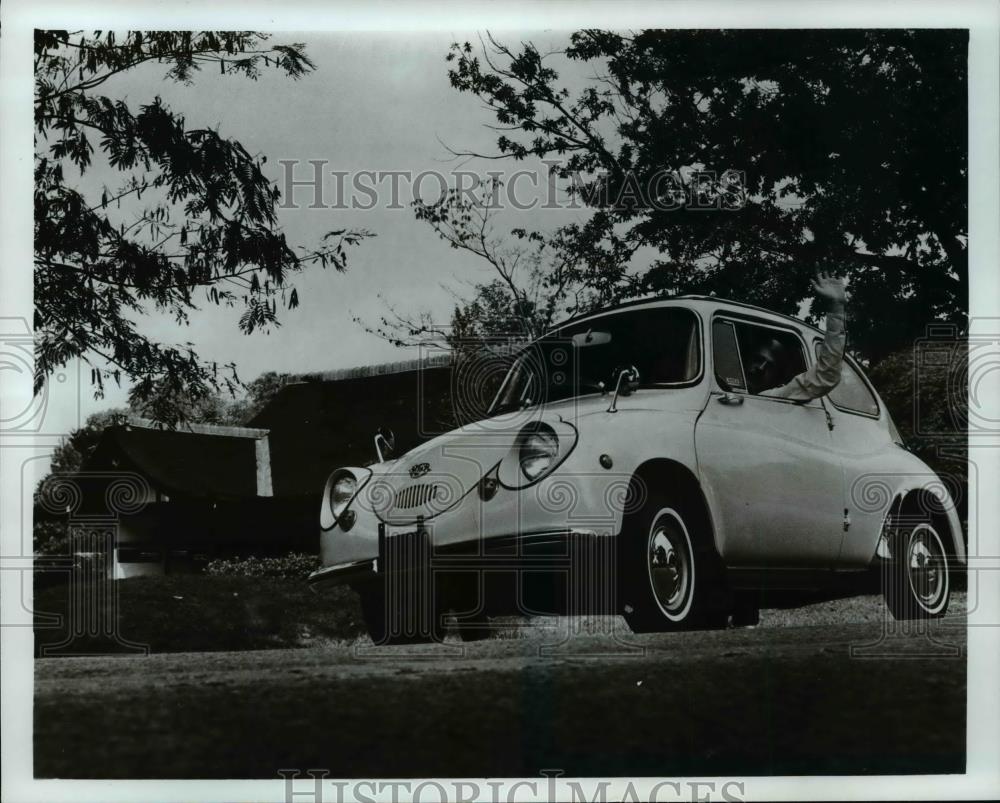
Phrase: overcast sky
pixel 375 102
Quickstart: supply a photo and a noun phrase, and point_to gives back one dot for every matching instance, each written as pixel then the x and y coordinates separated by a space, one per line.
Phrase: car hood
pixel 434 476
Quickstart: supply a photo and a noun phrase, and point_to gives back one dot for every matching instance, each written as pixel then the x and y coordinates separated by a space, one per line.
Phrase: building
pixel 215 491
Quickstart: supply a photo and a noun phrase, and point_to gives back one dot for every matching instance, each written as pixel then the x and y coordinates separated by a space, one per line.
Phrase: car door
pixel 774 482
pixel 863 441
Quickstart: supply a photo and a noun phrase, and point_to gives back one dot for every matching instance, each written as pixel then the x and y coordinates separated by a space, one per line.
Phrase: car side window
pixel 851 393
pixel 757 357
pixel 726 356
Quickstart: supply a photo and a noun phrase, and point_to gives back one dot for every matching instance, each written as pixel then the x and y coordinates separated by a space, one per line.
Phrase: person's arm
pixel 824 375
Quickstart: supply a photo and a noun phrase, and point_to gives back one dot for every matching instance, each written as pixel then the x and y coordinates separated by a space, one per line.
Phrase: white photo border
pixel 981 17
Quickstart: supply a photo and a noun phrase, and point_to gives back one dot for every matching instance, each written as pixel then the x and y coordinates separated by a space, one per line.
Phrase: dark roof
pixel 319 425
pixel 309 428
pixel 191 464
pixel 437 360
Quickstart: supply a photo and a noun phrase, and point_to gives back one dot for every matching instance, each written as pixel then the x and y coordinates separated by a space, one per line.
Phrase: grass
pixel 201 613
pixel 194 613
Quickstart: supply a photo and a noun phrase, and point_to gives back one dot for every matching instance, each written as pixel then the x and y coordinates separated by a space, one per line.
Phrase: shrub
pixel 293 566
pixel 50 536
pixel 925 396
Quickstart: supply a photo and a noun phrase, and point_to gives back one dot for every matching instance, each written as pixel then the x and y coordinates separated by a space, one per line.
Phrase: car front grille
pixel 416 495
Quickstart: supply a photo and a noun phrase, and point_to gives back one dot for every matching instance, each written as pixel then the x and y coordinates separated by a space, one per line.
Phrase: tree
pixel 69 456
pixel 531 288
pixel 50 532
pixel 208 231
pixel 929 403
pixel 841 150
pixel 258 393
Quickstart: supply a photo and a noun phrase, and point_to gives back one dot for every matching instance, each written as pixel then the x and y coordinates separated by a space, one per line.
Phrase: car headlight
pixel 342 489
pixel 539 449
pixel 536 451
pixel 342 492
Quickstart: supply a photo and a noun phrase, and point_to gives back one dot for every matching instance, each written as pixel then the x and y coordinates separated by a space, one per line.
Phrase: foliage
pixel 842 150
pixel 258 393
pixel 68 457
pixel 49 536
pixel 928 401
pixel 529 291
pixel 293 566
pixel 221 408
pixel 208 232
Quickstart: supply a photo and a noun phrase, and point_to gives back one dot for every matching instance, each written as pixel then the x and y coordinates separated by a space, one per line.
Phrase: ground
pixel 830 689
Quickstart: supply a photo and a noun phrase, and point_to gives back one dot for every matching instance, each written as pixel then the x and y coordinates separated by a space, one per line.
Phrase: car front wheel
pixel 918 582
pixel 670 573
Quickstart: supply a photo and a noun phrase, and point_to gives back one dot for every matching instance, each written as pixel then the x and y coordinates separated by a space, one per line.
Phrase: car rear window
pixel 852 394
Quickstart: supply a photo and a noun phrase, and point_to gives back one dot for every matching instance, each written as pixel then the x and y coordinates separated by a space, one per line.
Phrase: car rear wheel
pixel 918 582
pixel 670 573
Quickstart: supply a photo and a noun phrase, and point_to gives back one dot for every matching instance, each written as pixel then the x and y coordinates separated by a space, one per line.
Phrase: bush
pixel 50 536
pixel 293 566
pixel 925 396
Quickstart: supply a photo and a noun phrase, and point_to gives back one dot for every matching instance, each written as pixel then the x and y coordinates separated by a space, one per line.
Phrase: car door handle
pixel 730 398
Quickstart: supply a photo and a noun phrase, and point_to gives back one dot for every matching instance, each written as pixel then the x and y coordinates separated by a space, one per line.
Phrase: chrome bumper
pixel 552 549
pixel 332 576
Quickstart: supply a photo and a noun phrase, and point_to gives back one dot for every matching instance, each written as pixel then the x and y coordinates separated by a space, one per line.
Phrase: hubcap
pixel 927 567
pixel 669 561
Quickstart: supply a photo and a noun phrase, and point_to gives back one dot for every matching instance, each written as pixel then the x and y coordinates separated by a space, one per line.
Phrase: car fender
pixel 610 456
pixel 880 492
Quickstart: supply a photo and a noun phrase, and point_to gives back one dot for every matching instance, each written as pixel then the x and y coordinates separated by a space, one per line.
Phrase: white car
pixel 625 466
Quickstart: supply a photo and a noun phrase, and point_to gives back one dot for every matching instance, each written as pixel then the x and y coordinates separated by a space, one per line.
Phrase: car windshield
pixel 662 343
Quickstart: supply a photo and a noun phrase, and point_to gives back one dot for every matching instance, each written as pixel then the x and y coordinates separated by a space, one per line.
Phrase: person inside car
pixel 766 368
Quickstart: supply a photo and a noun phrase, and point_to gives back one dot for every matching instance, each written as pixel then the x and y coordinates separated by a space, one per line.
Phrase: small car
pixel 625 467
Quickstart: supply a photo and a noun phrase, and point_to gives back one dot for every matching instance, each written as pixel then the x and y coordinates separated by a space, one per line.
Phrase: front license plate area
pixel 407 585
pixel 407 551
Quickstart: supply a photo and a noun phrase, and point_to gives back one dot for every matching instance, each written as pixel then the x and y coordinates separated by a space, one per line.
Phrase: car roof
pixel 713 302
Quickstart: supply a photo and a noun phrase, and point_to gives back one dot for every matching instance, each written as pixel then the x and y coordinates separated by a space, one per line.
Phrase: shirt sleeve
pixel 824 375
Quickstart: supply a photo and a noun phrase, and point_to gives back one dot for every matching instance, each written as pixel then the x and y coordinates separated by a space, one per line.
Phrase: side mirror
pixel 385 443
pixel 626 380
